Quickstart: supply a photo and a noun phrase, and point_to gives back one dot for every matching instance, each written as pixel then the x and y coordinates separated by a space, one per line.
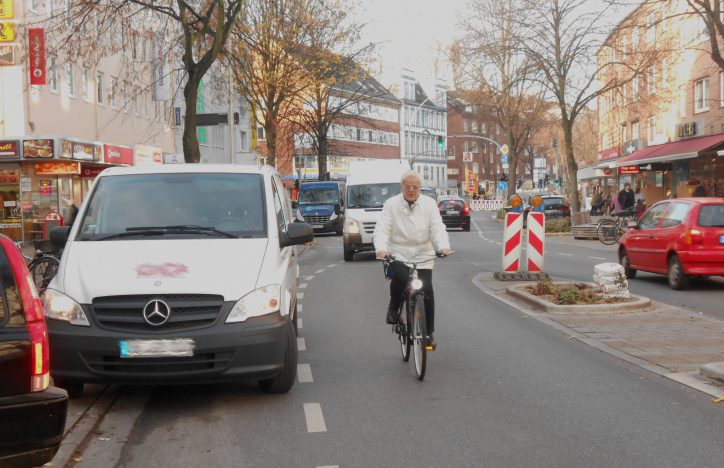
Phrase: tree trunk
pixel 571 166
pixel 322 148
pixel 271 142
pixel 192 153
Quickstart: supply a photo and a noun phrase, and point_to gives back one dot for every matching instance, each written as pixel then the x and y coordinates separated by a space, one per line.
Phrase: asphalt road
pixel 501 390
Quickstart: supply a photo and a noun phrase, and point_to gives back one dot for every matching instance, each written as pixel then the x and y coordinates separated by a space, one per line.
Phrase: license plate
pixel 721 239
pixel 157 348
pixel 317 226
pixel 452 212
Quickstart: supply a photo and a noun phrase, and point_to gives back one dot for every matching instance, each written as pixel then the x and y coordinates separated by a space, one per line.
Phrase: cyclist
pixel 626 198
pixel 410 227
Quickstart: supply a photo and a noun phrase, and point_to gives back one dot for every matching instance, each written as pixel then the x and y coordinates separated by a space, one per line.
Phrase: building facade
pixel 663 131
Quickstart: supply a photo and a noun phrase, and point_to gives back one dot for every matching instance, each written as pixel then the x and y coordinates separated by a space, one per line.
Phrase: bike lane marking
pixel 300 296
pixel 597 258
pixel 332 265
pixel 304 373
pixel 309 278
pixel 301 344
pixel 565 254
pixel 299 323
pixel 314 417
pixel 319 271
pixel 303 286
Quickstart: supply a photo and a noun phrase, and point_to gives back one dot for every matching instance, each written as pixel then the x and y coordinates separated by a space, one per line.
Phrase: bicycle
pixel 609 231
pixel 44 266
pixel 411 329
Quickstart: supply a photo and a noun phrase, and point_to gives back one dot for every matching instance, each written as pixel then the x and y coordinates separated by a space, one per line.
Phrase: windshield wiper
pixel 146 231
pixel 194 229
pixel 163 230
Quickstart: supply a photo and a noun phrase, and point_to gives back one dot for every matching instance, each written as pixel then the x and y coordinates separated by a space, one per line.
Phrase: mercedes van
pixel 369 184
pixel 177 274
pixel 321 204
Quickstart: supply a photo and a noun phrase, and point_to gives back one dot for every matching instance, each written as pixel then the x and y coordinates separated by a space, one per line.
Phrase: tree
pixel 502 76
pixel 198 30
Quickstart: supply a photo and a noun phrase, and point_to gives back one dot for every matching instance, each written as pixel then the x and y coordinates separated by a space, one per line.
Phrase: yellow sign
pixel 7 31
pixel 6 9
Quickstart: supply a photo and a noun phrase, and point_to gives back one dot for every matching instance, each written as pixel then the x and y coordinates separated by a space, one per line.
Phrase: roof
pixel 188 168
pixel 368 86
pixel 684 149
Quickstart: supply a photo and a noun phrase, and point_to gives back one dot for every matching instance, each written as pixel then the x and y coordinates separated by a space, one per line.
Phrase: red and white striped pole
pixel 536 241
pixel 512 235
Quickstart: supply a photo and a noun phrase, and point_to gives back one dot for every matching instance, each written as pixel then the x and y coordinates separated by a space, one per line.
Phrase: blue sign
pixel 504 159
pixel 502 185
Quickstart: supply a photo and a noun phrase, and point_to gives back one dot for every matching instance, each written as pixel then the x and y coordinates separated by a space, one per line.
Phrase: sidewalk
pixel 669 341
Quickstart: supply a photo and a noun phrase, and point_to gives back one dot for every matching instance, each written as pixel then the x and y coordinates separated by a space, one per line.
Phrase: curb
pixel 713 370
pixel 640 303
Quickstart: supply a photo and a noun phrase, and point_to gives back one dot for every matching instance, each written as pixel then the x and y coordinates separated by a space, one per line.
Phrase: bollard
pixel 511 246
pixel 536 241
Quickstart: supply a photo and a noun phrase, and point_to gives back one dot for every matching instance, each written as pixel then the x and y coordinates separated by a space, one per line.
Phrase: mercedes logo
pixel 156 312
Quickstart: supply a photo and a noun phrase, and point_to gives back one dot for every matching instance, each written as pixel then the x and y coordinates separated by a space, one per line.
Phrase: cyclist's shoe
pixel 392 316
pixel 430 343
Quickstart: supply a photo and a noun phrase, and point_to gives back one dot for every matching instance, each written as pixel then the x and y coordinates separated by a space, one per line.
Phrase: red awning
pixel 673 151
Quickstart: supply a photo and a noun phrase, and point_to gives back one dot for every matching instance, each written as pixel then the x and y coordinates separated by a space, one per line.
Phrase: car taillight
pixel 34 318
pixel 693 236
pixel 466 210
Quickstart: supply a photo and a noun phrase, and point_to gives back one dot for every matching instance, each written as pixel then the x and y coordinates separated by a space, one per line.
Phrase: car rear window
pixel 711 215
pixel 552 201
pixel 451 203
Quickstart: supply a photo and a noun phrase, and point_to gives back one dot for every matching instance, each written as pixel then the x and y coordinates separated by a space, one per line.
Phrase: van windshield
pixel 318 195
pixel 180 205
pixel 371 195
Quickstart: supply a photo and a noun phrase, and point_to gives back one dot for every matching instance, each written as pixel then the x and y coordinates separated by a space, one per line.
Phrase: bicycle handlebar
pixel 391 257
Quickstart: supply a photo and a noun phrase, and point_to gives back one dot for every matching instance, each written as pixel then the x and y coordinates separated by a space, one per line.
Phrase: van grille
pixel 125 313
pixel 369 227
pixel 317 219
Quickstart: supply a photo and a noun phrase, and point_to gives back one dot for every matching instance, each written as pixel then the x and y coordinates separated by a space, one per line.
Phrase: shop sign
pixel 7 31
pixel 7 55
pixel 79 150
pixel 9 176
pixel 686 130
pixel 607 171
pixel 631 146
pixel 38 149
pixel 145 155
pixel 9 150
pixel 610 153
pixel 628 170
pixel 36 47
pixel 114 154
pixel 57 168
pixel 91 171
pixel 46 186
pixel 26 184
pixel 6 9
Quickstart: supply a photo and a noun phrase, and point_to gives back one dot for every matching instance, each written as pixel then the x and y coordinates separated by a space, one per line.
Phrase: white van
pixel 177 274
pixel 369 184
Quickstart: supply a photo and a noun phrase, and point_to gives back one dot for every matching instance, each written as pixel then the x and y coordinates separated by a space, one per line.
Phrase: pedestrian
pixel 699 191
pixel 626 198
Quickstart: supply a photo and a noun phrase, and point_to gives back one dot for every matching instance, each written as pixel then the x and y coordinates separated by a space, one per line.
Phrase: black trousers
pixel 400 275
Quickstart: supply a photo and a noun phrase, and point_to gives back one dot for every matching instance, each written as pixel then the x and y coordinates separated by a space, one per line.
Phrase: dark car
pixel 679 238
pixel 32 413
pixel 321 204
pixel 455 212
pixel 555 206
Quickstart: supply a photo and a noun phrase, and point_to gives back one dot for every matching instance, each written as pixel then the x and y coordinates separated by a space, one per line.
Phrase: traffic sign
pixel 502 185
pixel 504 149
pixel 467 156
pixel 504 159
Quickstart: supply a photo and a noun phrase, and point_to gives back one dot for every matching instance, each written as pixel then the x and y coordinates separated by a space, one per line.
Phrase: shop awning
pixel 685 149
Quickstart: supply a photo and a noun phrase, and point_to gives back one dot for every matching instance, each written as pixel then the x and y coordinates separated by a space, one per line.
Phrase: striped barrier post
pixel 536 241
pixel 512 234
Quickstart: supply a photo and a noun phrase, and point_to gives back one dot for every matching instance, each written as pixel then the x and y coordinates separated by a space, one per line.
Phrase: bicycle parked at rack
pixel 411 329
pixel 609 231
pixel 44 265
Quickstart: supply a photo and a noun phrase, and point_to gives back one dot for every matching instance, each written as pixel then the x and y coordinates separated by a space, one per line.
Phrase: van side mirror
pixel 337 208
pixel 59 236
pixel 297 233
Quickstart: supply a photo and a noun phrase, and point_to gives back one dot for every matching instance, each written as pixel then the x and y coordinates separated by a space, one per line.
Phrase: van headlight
pixel 333 216
pixel 299 216
pixel 59 306
pixel 352 226
pixel 262 301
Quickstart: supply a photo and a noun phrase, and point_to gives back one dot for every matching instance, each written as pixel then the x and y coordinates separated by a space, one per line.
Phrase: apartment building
pixel 664 130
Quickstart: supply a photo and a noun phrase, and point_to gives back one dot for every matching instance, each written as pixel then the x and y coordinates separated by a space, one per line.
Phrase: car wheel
pixel 284 380
pixel 677 277
pixel 348 255
pixel 626 264
pixel 74 389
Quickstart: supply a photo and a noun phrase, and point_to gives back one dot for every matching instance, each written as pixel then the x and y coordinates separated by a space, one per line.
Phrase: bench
pixel 582 226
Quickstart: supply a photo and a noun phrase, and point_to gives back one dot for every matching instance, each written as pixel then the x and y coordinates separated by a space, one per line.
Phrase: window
pixel 476 168
pixel 635 131
pixel 635 87
pixel 624 133
pixel 68 14
pixel 650 29
pixel 114 92
pixel 497 129
pixel 652 217
pixel 53 74
pixel 483 127
pixel 466 145
pixel 721 89
pixel 491 160
pixel 146 98
pixel 260 133
pixel 475 127
pixel 675 215
pixel 465 126
pixel 137 101
pixel 99 88
pixel 86 84
pixel 70 79
pixel 682 101
pixel 701 95
pixel 651 79
pixel 652 130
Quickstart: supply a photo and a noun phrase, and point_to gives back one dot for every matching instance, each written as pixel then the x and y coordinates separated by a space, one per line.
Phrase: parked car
pixel 178 274
pixel 455 212
pixel 680 238
pixel 32 413
pixel 555 206
pixel 322 205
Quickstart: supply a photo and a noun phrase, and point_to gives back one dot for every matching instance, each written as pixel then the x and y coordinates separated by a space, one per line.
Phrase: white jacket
pixel 411 233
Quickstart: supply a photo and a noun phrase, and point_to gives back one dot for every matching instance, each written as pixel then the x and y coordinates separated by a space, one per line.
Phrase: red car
pixel 680 238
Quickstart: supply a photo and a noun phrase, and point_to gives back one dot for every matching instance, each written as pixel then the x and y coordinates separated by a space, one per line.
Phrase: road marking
pixel 330 266
pixel 309 278
pixel 329 466
pixel 304 373
pixel 319 271
pixel 300 296
pixel 597 258
pixel 314 417
pixel 301 344
pixel 299 307
pixel 566 254
pixel 303 286
pixel 299 323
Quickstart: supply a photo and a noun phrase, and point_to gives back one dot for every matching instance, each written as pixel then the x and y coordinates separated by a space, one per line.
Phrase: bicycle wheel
pixel 42 270
pixel 606 231
pixel 403 332
pixel 419 335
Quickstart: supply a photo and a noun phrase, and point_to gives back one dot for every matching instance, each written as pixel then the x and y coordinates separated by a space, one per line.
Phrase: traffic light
pixel 441 142
pixel 558 182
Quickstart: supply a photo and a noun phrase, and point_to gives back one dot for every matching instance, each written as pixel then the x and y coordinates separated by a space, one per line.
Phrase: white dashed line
pixel 314 417
pixel 300 296
pixel 597 258
pixel 319 271
pixel 303 286
pixel 299 307
pixel 566 254
pixel 304 373
pixel 329 466
pixel 309 278
pixel 301 344
pixel 332 265
pixel 299 323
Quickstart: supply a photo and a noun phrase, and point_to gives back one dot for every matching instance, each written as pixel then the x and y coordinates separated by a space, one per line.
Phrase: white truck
pixel 369 184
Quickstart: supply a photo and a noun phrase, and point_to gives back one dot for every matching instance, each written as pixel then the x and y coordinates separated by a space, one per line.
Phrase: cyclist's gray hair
pixel 409 174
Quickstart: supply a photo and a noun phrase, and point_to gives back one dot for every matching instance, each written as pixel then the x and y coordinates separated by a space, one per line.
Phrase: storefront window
pixel 707 172
pixel 10 220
